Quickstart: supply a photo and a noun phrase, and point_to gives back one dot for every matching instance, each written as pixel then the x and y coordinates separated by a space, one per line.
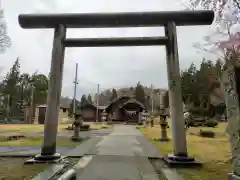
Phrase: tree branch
pixel 237 3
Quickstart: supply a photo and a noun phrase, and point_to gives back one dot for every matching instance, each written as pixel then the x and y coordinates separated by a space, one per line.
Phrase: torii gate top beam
pixel 101 20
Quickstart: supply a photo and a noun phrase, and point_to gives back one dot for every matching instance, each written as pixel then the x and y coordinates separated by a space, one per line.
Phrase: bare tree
pixel 225 36
pixel 5 41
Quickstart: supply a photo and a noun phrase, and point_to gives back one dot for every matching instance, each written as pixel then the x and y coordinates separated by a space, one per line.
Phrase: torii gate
pixel 60 23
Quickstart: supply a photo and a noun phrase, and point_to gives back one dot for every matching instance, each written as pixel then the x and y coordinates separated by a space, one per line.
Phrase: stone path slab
pixel 171 174
pixel 49 172
pixel 85 148
pixel 122 155
pixel 104 167
pixel 146 169
pixel 126 141
pixel 149 150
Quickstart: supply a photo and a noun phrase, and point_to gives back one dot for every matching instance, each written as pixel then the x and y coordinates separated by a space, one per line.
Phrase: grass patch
pixel 21 128
pixel 15 169
pixel 99 126
pixel 26 128
pixel 37 141
pixel 214 153
pixel 31 128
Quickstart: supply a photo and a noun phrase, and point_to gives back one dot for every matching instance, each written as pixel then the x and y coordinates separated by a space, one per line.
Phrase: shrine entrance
pixel 132 110
pixel 125 109
pixel 60 23
pixel 131 115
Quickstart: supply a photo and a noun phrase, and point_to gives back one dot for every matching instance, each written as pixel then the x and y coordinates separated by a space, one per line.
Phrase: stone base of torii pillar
pixel 232 176
pixel 181 161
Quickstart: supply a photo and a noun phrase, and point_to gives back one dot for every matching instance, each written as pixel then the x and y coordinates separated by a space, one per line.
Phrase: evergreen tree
pixel 139 93
pixel 114 95
pixel 89 99
pixel 84 100
pixel 148 103
pixel 40 83
pixel 10 85
pixel 70 111
pixel 198 84
pixel 188 81
pixel 219 68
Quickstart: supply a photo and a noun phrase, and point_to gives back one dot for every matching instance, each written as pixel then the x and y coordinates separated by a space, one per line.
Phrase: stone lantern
pixel 164 125
pixel 104 116
pixel 78 122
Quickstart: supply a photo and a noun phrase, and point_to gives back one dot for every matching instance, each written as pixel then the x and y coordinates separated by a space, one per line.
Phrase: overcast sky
pixel 109 66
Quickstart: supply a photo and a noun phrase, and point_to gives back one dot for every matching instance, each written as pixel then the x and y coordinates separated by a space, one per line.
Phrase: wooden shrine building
pixel 89 112
pixel 125 109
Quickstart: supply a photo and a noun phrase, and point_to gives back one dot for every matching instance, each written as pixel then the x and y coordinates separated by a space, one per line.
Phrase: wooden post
pixel 175 95
pixel 54 93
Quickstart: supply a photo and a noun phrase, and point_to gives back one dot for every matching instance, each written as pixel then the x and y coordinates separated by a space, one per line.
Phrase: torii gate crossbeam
pixel 60 22
pixel 101 20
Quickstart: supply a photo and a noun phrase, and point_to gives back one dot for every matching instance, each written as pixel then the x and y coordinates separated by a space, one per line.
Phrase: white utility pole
pixel 161 99
pixel 75 89
pixel 97 102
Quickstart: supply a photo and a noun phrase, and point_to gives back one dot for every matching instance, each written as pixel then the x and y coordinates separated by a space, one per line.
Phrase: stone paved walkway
pixel 121 155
